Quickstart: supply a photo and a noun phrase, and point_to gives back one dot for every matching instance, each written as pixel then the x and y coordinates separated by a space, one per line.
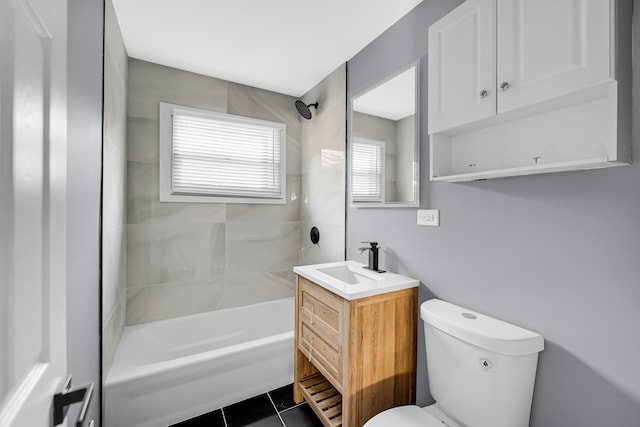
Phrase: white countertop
pixel 370 282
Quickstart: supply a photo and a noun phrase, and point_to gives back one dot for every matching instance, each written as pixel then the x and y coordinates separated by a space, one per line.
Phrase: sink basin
pixel 350 280
pixel 347 275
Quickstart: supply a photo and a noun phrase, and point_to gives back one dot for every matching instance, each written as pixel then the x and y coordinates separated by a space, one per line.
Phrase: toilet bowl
pixel 481 372
pixel 413 416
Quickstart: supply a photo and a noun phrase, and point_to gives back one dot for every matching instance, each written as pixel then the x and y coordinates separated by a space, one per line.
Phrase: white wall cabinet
pixel 462 66
pixel 529 86
pixel 550 48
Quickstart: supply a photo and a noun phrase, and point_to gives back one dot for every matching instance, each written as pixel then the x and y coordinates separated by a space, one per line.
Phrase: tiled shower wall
pixel 185 258
pixel 323 171
pixel 114 188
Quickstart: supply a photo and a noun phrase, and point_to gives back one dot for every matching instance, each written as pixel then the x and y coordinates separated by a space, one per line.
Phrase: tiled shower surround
pixel 114 188
pixel 185 258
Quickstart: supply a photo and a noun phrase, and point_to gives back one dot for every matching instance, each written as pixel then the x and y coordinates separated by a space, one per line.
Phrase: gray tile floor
pixel 273 409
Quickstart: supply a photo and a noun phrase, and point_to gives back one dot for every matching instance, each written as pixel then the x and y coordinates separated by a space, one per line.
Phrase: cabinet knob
pixel 483 94
pixel 504 85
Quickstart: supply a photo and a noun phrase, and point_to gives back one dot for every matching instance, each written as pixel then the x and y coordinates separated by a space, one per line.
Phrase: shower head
pixel 304 110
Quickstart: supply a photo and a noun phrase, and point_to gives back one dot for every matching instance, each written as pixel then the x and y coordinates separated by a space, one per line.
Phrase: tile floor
pixel 273 409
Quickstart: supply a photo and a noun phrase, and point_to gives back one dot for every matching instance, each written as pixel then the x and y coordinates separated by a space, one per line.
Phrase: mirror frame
pixel 416 163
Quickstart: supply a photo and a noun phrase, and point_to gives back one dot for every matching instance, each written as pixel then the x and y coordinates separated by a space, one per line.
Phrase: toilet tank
pixel 481 370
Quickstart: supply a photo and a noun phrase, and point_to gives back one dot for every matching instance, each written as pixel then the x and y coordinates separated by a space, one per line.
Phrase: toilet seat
pixel 404 416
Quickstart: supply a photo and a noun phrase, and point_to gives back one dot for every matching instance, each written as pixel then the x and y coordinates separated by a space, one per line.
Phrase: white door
pixel 549 48
pixel 32 209
pixel 462 66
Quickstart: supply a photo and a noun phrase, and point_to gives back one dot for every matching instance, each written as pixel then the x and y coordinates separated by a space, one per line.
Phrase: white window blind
pixel 222 155
pixel 367 170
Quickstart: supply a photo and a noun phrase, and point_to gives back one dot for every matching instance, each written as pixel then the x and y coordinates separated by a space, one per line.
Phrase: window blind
pixel 367 170
pixel 222 155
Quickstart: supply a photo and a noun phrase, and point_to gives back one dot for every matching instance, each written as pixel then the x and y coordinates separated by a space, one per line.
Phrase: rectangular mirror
pixel 383 145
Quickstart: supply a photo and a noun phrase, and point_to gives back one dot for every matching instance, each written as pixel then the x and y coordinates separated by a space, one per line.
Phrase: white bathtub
pixel 171 370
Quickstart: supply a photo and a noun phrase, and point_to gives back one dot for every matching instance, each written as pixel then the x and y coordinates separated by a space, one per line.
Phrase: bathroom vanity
pixel 355 341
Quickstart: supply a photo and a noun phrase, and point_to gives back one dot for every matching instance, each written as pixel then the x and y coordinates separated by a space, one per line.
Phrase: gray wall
pixel 186 258
pixel 323 170
pixel 555 253
pixel 85 38
pixel 113 189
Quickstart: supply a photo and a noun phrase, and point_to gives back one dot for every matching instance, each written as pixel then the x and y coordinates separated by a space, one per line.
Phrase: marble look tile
pixel 114 188
pixel 113 154
pixel 238 212
pixel 111 333
pixel 113 270
pixel 142 140
pixel 327 129
pixel 144 206
pixel 330 248
pixel 261 104
pixel 163 253
pixel 150 84
pixel 114 104
pixel 294 162
pixel 167 300
pixel 114 44
pixel 320 204
pixel 185 213
pixel 250 288
pixel 184 257
pixel 261 246
pixel 142 185
pixel 114 137
pixel 318 139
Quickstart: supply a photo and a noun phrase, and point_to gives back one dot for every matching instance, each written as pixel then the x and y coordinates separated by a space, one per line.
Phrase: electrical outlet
pixel 429 217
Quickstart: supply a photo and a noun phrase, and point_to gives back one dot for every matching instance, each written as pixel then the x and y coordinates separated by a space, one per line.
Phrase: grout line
pixel 224 418
pixel 276 409
pixel 293 407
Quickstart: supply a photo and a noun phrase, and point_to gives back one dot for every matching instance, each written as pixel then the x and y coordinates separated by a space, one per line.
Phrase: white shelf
pixel 597 163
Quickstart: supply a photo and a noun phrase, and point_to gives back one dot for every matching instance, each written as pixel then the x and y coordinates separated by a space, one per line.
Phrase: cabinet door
pixel 551 48
pixel 462 66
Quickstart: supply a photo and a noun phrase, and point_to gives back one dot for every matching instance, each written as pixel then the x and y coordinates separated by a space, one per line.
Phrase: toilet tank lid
pixel 480 330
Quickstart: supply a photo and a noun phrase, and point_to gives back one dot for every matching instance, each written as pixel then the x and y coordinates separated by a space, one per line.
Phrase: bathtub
pixel 171 370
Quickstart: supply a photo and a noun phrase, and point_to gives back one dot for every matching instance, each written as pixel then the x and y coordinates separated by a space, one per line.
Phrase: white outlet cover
pixel 429 217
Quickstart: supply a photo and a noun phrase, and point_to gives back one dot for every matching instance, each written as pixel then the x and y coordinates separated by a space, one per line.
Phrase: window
pixel 367 170
pixel 217 157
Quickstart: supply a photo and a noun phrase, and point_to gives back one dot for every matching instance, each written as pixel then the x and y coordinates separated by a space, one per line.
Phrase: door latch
pixel 68 396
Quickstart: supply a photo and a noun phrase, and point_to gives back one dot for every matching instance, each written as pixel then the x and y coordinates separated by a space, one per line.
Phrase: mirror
pixel 383 145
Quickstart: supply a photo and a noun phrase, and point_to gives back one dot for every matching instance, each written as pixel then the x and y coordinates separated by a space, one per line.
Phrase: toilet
pixel 481 372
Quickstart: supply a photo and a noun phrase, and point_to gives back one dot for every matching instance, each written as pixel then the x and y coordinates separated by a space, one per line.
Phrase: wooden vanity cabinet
pixel 354 358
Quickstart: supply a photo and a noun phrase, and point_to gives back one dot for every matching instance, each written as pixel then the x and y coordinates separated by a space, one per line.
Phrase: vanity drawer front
pixel 321 352
pixel 321 311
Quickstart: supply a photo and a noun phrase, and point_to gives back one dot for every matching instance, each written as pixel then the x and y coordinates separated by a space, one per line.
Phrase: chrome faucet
pixel 373 256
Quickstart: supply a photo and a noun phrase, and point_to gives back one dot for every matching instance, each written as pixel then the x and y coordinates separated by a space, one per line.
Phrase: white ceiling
pixel 286 46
